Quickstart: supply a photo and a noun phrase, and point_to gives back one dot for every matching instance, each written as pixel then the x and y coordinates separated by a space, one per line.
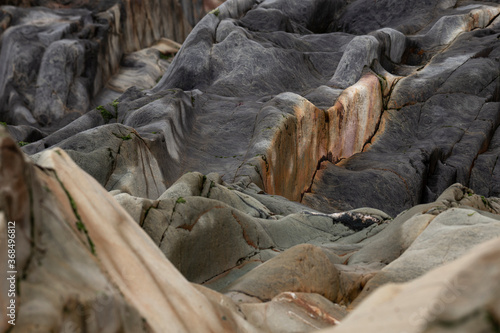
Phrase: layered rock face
pixel 298 166
pixel 56 59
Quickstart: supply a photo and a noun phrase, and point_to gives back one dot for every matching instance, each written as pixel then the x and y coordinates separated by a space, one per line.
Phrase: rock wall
pixel 244 80
pixel 57 58
pixel 300 165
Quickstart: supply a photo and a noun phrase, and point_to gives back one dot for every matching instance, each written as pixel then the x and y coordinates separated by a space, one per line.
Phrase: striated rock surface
pixel 215 234
pixel 297 166
pixel 64 58
pixel 461 296
pixel 263 93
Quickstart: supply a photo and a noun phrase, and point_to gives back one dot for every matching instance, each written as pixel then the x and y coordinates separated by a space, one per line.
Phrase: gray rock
pixel 336 105
pixel 57 58
pixel 360 53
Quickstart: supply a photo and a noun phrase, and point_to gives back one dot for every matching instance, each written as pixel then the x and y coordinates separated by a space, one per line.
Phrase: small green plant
pixel 167 56
pixel 3 123
pixel 154 132
pixel 485 201
pixel 106 115
pixel 22 143
pixel 124 138
pixel 115 105
pixel 216 12
pixel 80 226
pixel 79 223
pixel 180 200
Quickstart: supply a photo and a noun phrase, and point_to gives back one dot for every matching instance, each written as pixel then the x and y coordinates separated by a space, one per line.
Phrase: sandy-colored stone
pixel 302 268
pixel 293 312
pixel 113 252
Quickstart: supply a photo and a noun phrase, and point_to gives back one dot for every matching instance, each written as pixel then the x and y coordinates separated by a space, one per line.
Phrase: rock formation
pixel 297 166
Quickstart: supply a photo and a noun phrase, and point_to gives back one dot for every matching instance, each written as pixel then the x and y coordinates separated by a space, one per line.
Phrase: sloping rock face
pixel 95 268
pixel 57 58
pixel 90 261
pixel 300 165
pixel 264 93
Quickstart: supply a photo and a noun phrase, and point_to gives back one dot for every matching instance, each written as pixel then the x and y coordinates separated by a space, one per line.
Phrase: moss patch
pixel 216 12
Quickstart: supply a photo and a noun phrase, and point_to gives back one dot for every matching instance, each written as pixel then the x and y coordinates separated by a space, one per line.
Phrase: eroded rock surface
pixel 264 93
pixel 299 165
pixel 60 59
pixel 298 272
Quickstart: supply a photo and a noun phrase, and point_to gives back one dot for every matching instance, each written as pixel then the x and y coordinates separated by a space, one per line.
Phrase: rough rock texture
pixel 264 93
pixel 57 59
pixel 103 274
pixel 213 233
pixel 303 164
pixel 461 296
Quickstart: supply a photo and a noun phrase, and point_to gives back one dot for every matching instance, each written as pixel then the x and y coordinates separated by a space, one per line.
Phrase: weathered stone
pixel 293 312
pixel 337 105
pixel 107 285
pixel 461 296
pixel 56 58
pixel 303 268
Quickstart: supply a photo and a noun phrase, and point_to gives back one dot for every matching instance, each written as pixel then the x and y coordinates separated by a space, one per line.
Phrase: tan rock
pixel 449 235
pixel 90 263
pixel 293 312
pixel 306 135
pixel 295 149
pixel 354 117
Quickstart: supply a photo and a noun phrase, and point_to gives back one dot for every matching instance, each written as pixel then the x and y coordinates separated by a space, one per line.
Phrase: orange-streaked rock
pixel 293 312
pixel 294 152
pixel 311 135
pixel 354 117
pixel 167 300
